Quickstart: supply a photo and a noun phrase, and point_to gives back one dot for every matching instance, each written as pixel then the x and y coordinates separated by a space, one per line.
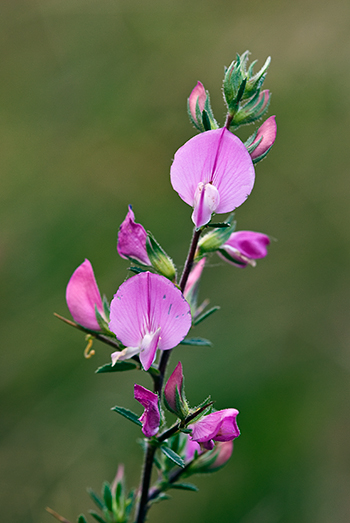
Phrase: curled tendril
pixel 88 352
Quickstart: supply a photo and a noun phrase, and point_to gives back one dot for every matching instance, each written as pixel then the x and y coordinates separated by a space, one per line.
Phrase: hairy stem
pixel 158 386
pixel 229 119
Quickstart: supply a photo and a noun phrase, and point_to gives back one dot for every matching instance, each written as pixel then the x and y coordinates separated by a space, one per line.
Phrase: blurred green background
pixel 93 107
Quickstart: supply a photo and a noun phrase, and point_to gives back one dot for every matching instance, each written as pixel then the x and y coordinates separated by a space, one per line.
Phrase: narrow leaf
pixel 160 497
pixel 128 414
pixel 57 516
pixel 120 366
pixel 97 516
pixel 206 315
pixel 82 519
pixel 173 456
pixel 96 499
pixel 220 225
pixel 185 486
pixel 196 341
pixel 107 496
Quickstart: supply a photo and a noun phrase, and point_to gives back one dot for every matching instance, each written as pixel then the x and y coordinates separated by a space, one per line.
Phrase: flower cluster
pixel 153 311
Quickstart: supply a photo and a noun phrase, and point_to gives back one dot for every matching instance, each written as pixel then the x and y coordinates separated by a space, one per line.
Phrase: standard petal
pixel 82 295
pixel 218 157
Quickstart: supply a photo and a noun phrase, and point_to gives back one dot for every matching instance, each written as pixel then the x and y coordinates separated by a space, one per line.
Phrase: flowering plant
pixel 153 311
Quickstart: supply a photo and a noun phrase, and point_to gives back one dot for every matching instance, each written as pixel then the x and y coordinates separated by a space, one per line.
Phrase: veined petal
pixel 219 157
pixel 132 239
pixel 82 295
pixel 142 305
pixel 206 201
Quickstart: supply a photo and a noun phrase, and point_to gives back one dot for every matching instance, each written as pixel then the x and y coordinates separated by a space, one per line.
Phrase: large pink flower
pixel 212 172
pixel 148 313
pixel 82 295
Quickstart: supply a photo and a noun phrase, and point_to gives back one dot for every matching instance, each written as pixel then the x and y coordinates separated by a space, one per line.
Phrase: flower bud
pixel 213 240
pixel 199 109
pixel 252 110
pixel 159 259
pixel 82 296
pixel 132 240
pixel 217 426
pixel 150 419
pixel 259 144
pixel 244 247
pixel 174 395
pixel 204 461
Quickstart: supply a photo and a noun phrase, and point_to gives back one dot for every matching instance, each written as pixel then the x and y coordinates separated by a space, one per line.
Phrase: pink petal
pixel 224 451
pixel 132 239
pixel 267 131
pixel 150 419
pixel 174 382
pixel 252 245
pixel 145 303
pixel 82 295
pixel 218 157
pixel 194 276
pixel 198 93
pixel 217 426
pixel 206 201
pixel 149 345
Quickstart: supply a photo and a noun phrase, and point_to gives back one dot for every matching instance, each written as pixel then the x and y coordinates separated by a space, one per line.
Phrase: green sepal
pixel 137 270
pixel 97 516
pixel 184 486
pixel 118 492
pixel 221 225
pixel 263 155
pixel 200 342
pixel 206 120
pixel 198 127
pixel 206 315
pixel 96 499
pixel 173 456
pixel 120 366
pixel 106 309
pixel 230 259
pixel 214 239
pixel 82 519
pixel 102 321
pixel 107 496
pixel 128 414
pixel 159 259
pixel 129 503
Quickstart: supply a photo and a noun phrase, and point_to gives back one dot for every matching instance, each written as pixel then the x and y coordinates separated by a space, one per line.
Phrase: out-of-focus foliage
pixel 92 109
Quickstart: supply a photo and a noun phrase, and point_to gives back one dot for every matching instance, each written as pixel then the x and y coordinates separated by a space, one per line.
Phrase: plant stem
pixel 229 119
pixel 158 386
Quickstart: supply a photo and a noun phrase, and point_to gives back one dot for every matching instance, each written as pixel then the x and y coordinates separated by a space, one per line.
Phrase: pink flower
pixel 194 277
pixel 174 396
pixel 150 419
pixel 267 134
pixel 212 172
pixel 217 426
pixel 243 247
pixel 197 94
pixel 82 295
pixel 148 313
pixel 208 461
pixel 223 453
pixel 132 240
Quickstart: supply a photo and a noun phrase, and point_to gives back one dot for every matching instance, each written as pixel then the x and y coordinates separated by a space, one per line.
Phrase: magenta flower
pixel 267 134
pixel 148 313
pixel 150 419
pixel 197 94
pixel 243 247
pixel 212 172
pixel 174 396
pixel 190 449
pixel 132 240
pixel 217 426
pixel 82 295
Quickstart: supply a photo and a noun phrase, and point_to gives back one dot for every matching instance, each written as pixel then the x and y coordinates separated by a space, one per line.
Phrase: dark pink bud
pixel 243 247
pixel 174 394
pixel 82 295
pixel 150 419
pixel 267 134
pixel 132 240
pixel 223 453
pixel 198 93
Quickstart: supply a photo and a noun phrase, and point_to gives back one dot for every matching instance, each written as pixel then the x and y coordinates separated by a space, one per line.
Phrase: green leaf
pixel 97 516
pixel 137 270
pixel 107 496
pixel 96 499
pixel 184 486
pixel 160 497
pixel 196 341
pixel 206 315
pixel 120 366
pixel 82 519
pixel 173 456
pixel 128 414
pixel 220 225
pixel 206 121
